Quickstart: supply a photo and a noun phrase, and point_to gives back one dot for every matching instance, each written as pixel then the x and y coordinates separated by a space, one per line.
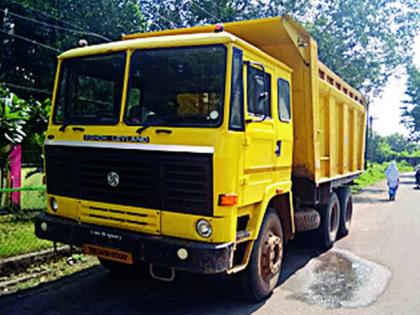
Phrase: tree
pixel 365 41
pixel 37 123
pixel 168 14
pixel 411 113
pixel 378 149
pixel 400 144
pixel 33 33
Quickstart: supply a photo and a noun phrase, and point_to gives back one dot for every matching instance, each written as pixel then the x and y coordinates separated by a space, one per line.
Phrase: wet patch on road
pixel 339 278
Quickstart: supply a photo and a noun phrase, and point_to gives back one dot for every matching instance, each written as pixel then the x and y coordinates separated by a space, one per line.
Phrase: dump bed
pixel 329 116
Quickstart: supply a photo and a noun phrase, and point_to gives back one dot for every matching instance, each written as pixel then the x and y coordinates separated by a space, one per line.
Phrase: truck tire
pixel 263 271
pixel 330 221
pixel 346 207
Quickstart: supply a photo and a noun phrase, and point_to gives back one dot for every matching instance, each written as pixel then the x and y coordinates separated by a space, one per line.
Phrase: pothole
pixel 339 278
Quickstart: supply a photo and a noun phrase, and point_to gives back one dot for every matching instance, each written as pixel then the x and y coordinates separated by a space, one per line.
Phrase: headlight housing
pixel 53 204
pixel 204 228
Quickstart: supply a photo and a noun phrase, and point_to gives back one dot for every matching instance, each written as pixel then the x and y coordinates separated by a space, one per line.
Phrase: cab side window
pixel 284 100
pixel 236 121
pixel 259 92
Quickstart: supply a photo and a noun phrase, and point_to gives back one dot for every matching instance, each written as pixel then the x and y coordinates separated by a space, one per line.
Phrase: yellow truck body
pixel 270 130
pixel 329 116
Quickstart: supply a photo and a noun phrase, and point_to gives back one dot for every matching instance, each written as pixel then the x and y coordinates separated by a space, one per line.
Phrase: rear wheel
pixel 263 271
pixel 346 207
pixel 330 219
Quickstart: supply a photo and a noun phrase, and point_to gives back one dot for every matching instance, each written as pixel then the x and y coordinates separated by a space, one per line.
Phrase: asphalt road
pixel 374 270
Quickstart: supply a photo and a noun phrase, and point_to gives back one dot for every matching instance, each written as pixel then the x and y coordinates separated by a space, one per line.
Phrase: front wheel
pixel 263 271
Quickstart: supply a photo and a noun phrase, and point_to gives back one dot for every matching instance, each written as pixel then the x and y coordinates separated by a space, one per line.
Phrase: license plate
pixel 108 253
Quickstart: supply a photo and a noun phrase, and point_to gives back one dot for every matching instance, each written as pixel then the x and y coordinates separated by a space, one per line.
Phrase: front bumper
pixel 159 250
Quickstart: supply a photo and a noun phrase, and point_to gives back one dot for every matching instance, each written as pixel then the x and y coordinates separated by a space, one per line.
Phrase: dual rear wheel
pixel 335 217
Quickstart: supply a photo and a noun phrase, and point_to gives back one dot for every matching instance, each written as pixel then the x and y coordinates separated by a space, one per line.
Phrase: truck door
pixel 284 141
pixel 260 133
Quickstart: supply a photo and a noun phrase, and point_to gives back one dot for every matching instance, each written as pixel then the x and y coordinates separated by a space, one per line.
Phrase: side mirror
pixel 257 92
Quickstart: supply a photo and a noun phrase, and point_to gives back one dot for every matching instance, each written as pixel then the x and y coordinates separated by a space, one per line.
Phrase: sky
pixel 385 109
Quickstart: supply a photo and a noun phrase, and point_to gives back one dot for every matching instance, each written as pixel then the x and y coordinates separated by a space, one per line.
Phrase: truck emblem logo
pixel 113 179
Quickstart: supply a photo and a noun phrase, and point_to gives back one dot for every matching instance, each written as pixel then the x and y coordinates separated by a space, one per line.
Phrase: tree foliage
pixel 399 144
pixel 362 41
pixel 184 13
pixel 14 114
pixel 33 33
pixel 387 148
pixel 365 41
pixel 411 114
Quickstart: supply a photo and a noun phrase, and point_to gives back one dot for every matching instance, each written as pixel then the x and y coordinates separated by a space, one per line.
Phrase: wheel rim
pixel 334 221
pixel 270 258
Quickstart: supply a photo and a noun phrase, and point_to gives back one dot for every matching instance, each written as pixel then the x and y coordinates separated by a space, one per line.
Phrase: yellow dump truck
pixel 202 149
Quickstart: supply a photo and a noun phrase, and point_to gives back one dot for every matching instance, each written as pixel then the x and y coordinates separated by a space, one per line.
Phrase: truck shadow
pixel 298 253
pixel 97 291
pixel 407 175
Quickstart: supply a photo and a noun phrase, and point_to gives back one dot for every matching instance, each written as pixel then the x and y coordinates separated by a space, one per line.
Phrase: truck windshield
pixel 177 87
pixel 90 90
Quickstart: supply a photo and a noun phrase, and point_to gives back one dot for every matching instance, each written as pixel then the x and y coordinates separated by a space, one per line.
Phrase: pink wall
pixel 15 159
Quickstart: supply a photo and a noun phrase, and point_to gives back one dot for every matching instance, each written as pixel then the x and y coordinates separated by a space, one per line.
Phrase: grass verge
pixel 17 236
pixel 46 272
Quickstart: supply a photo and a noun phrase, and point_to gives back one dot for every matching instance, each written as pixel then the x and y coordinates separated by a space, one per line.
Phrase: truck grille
pixel 180 182
pixel 146 221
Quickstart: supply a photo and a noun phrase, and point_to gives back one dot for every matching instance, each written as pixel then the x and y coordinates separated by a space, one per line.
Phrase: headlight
pixel 53 204
pixel 204 228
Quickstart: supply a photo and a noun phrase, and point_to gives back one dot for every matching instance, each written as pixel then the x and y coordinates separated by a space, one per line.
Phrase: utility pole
pixel 369 142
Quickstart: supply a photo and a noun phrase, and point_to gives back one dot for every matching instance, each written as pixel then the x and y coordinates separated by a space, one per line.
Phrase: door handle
pixel 278 148
pixel 78 129
pixel 167 131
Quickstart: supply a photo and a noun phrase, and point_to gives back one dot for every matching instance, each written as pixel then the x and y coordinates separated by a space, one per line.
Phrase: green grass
pixel 375 173
pixel 33 180
pixel 32 199
pixel 17 229
pixel 18 237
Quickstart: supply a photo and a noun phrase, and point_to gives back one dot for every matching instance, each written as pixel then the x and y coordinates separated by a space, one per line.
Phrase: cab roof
pixel 266 34
pixel 151 42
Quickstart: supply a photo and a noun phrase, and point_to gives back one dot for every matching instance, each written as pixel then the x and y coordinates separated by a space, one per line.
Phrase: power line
pixel 167 20
pixel 26 88
pixel 55 26
pixel 204 10
pixel 46 14
pixel 31 41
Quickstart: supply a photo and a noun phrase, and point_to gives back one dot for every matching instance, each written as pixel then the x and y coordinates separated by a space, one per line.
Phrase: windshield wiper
pixel 143 128
pixel 155 122
pixel 63 127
